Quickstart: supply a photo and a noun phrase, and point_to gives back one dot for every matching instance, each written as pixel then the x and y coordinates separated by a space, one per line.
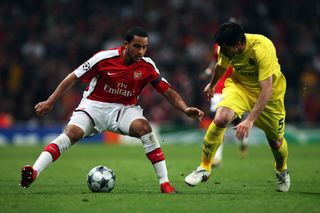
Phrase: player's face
pixel 136 49
pixel 230 51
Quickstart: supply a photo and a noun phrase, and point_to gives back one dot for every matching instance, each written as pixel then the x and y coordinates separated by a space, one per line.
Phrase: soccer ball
pixel 101 179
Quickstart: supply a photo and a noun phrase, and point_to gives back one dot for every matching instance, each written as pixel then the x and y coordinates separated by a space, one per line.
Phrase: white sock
pixel 155 155
pixel 63 142
pixel 161 170
pixel 149 142
pixel 45 158
pixel 42 162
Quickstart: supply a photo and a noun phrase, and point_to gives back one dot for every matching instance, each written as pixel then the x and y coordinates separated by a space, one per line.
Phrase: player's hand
pixel 194 113
pixel 43 107
pixel 209 91
pixel 242 129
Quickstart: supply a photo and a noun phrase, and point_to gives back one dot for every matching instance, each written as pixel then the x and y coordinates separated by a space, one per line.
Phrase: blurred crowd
pixel 42 41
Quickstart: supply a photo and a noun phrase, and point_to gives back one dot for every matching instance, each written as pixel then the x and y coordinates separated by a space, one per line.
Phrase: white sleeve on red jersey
pixel 159 83
pixel 87 66
pixel 150 61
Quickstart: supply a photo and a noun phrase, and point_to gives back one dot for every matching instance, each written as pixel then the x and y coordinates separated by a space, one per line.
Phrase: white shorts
pixel 214 101
pixel 95 117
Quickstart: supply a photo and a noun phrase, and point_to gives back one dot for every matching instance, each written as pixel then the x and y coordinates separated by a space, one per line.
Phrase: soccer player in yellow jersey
pixel 256 86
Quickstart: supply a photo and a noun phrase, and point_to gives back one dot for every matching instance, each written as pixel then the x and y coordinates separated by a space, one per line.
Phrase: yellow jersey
pixel 257 62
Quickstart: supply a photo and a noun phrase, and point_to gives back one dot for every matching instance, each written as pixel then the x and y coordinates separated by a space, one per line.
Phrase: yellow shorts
pixel 271 120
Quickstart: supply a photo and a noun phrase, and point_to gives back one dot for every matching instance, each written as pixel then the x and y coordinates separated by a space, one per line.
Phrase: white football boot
pixel 283 181
pixel 197 176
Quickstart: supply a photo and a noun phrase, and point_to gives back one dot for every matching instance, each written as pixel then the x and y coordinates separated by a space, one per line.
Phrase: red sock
pixel 53 149
pixel 155 156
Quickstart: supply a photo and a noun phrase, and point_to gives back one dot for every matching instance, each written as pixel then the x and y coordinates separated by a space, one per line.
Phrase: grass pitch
pixel 238 185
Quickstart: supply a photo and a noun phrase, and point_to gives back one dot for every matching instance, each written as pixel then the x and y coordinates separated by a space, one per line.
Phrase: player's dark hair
pixel 230 34
pixel 135 31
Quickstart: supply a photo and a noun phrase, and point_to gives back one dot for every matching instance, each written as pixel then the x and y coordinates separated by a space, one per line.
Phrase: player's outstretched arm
pixel 243 128
pixel 176 100
pixel 217 73
pixel 46 106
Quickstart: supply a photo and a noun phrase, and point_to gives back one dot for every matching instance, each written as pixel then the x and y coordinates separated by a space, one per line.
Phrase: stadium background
pixel 42 41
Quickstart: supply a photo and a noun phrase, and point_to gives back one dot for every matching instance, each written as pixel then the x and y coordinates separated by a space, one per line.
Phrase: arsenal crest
pixel 137 75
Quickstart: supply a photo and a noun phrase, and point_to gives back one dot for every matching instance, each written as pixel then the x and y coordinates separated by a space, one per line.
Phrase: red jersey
pixel 220 84
pixel 112 81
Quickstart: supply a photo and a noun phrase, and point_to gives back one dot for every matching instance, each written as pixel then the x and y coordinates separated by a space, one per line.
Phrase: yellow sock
pixel 211 142
pixel 281 156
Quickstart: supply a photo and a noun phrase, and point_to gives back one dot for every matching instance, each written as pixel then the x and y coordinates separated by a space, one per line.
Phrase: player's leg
pixel 213 109
pixel 279 149
pixel 79 124
pixel 211 142
pixel 234 102
pixel 273 125
pixel 134 124
pixel 243 142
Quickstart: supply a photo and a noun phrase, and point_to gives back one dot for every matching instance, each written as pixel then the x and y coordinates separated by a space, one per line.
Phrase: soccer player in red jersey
pixel 217 159
pixel 116 77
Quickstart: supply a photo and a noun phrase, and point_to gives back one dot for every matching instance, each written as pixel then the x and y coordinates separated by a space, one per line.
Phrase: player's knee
pixel 143 130
pixel 139 128
pixel 275 144
pixel 221 122
pixel 74 133
pixel 223 117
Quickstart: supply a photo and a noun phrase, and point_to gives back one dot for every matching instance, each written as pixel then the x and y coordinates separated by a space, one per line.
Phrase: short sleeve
pixel 265 59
